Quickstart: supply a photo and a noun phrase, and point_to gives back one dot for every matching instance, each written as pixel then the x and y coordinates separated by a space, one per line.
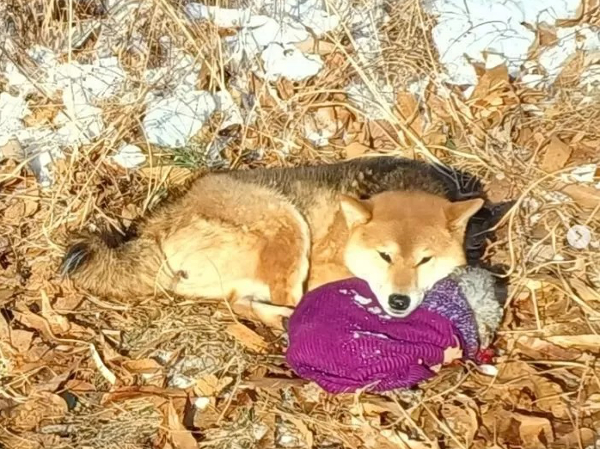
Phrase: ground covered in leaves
pixel 78 371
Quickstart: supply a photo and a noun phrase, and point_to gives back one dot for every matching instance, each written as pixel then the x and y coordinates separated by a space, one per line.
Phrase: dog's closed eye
pixel 385 256
pixel 424 260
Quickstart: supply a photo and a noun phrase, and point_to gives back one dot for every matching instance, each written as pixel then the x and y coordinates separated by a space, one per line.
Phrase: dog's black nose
pixel 399 302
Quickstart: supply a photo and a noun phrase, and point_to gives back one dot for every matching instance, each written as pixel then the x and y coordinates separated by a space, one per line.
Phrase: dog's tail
pixel 125 271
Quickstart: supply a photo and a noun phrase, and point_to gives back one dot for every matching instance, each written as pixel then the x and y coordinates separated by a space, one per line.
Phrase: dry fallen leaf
pixel 307 435
pixel 584 291
pixel 247 337
pixel 535 431
pixel 21 340
pixel 211 385
pixel 462 420
pixel 356 149
pixel 142 366
pixel 58 324
pixel 585 437
pixel 548 395
pixel 42 408
pixel 402 440
pixel 180 437
pixel 586 196
pixel 556 156
pixel 4 329
pixel 14 213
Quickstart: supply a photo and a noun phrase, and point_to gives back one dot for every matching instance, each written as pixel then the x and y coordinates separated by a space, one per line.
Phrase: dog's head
pixel 402 243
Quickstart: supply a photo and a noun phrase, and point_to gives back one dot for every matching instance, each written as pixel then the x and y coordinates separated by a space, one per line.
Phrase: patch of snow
pixel 179 71
pixel 259 430
pixel 43 147
pixel 361 299
pixel 12 112
pixel 570 40
pixel 221 17
pixel 533 80
pixel 267 31
pixel 289 62
pixel 201 402
pixel 583 173
pixel 318 137
pixel 129 156
pixel 181 381
pixel 370 103
pixel 364 23
pixel 27 84
pixel 82 85
pixel 81 122
pixel 557 198
pixel 589 79
pixel 173 121
pixel 232 113
pixel 310 13
pixel 287 440
pixel 466 29
pixel 270 35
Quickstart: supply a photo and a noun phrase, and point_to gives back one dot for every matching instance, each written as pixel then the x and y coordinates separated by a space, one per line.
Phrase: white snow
pixel 12 112
pixel 82 86
pixel 311 13
pixel 361 299
pixel 468 28
pixel 570 40
pixel 129 156
pixel 201 402
pixel 582 173
pixel 172 121
pixel 271 35
pixel 289 62
pixel 369 102
pixel 590 78
pixel 178 72
pixel 231 111
pixel 221 17
pixel 375 310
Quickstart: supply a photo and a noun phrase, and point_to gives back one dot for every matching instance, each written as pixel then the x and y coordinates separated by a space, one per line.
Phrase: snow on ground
pixel 467 29
pixel 266 43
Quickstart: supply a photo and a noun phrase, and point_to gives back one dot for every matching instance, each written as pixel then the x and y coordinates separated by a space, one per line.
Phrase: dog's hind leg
pixel 284 258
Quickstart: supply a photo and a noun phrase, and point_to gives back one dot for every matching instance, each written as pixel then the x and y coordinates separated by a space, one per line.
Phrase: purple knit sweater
pixel 341 339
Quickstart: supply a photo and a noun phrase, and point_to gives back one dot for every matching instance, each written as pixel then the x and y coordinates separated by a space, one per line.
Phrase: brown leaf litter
pixel 80 371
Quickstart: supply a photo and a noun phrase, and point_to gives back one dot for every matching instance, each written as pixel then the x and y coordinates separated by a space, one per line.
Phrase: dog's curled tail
pixel 124 271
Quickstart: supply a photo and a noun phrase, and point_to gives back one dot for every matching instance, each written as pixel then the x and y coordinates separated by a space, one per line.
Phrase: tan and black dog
pixel 263 237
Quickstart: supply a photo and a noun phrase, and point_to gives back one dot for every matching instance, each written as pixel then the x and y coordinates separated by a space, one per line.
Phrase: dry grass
pixel 78 371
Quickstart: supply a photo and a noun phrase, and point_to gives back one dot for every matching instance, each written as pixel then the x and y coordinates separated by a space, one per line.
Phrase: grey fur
pixel 478 286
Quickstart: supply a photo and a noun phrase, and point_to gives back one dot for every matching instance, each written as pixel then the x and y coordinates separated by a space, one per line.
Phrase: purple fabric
pixel 340 338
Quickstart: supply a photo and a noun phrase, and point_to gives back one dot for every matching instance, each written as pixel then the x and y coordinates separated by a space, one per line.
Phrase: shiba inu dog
pixel 262 237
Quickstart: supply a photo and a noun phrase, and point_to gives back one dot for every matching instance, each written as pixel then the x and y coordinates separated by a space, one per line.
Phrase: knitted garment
pixel 340 338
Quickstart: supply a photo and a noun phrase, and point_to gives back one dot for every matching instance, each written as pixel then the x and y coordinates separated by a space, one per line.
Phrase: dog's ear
pixel 459 213
pixel 356 212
